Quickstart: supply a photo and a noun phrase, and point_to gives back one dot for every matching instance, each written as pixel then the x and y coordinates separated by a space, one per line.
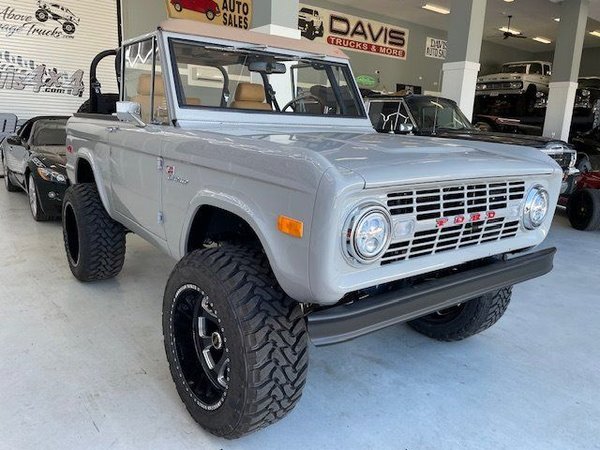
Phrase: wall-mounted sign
pixel 46 49
pixel 436 48
pixel 367 81
pixel 230 13
pixel 352 33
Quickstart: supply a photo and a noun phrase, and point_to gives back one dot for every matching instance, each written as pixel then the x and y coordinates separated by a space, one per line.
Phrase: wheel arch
pixel 86 171
pixel 259 222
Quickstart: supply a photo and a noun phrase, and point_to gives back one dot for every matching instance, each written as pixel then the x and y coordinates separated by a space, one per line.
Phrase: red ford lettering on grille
pixel 459 220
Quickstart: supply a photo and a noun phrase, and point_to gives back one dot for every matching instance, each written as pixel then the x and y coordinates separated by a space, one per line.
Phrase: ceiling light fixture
pixel 512 30
pixel 543 40
pixel 595 33
pixel 557 19
pixel 509 1
pixel 436 8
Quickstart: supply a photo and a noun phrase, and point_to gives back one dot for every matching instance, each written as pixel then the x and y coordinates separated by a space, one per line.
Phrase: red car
pixel 208 7
pixel 583 205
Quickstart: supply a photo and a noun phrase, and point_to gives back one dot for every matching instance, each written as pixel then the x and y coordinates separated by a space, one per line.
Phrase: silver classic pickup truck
pixel 250 159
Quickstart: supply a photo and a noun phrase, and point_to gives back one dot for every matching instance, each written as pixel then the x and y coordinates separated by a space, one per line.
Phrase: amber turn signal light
pixel 290 226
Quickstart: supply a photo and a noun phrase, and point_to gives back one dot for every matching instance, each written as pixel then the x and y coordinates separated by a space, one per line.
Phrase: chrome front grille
pixel 454 217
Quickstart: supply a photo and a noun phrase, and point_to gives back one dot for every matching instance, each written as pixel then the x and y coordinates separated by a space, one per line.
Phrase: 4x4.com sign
pixel 352 33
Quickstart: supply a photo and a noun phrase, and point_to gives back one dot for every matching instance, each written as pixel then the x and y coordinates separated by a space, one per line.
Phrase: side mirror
pixel 405 128
pixel 130 112
pixel 15 139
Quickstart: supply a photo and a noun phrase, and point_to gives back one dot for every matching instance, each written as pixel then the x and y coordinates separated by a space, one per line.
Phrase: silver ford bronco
pixel 250 159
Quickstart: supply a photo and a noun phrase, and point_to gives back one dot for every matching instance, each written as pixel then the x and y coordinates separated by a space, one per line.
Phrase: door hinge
pixel 160 218
pixel 160 163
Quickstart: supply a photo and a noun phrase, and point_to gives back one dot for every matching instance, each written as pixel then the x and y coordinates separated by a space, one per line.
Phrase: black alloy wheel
pixel 203 353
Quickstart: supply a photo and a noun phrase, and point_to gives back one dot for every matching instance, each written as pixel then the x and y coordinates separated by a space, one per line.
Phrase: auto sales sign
pixel 352 33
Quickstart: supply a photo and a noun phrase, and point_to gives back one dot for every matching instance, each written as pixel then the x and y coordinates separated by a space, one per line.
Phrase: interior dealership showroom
pixel 300 224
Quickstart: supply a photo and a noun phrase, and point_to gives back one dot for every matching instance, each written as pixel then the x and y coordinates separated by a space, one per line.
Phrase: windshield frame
pixel 180 104
pixel 507 66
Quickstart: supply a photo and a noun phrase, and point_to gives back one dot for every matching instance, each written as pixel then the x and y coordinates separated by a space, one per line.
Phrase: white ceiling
pixel 531 17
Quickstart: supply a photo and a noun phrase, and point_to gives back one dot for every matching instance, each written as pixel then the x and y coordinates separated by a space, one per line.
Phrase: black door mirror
pixel 15 139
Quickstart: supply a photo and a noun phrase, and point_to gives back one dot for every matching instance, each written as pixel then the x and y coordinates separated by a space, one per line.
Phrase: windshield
pixel 388 114
pixel 593 83
pixel 49 133
pixel 438 113
pixel 514 68
pixel 251 79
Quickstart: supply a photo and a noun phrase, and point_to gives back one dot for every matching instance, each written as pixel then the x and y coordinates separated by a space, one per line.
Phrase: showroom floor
pixel 83 366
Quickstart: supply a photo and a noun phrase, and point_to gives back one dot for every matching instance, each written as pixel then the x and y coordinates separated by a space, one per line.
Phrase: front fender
pixel 287 256
pixel 86 155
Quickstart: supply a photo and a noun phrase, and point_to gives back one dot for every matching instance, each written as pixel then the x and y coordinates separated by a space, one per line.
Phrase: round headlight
pixel 536 207
pixel 368 233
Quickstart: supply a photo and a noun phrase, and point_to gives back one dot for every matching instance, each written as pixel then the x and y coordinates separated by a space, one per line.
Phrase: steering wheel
pixel 300 98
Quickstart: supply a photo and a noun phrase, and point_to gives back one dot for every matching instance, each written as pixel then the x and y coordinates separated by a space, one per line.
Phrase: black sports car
pixel 34 160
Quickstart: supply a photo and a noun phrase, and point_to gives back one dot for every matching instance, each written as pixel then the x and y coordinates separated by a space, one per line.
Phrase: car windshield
pixel 387 114
pixel 514 68
pixel 306 11
pixel 49 133
pixel 437 113
pixel 251 79
pixel 593 83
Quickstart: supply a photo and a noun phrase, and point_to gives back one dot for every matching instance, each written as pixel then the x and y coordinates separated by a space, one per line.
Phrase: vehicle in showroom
pixel 426 115
pixel 8 126
pixel 291 218
pixel 59 13
pixel 310 23
pixel 34 161
pixel 518 83
pixel 583 204
pixel 208 7
pixel 588 147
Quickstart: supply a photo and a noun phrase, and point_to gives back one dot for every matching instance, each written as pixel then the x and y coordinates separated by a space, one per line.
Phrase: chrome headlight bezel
pixel 355 220
pixel 531 218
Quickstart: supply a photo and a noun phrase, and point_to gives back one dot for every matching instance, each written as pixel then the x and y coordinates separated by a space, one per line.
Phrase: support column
pixel 276 17
pixel 565 69
pixel 465 34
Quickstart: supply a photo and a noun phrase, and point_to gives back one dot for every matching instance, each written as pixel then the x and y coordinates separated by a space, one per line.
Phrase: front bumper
pixel 51 196
pixel 348 321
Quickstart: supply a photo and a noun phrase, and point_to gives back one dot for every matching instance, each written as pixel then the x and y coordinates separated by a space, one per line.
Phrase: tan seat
pixel 144 91
pixel 250 96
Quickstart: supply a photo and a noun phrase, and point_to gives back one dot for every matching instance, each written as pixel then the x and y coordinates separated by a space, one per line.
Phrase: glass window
pixel 251 79
pixel 387 114
pixel 437 113
pixel 514 68
pixel 535 68
pixel 138 85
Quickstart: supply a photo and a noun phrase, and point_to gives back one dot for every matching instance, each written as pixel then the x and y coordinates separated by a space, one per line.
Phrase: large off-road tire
pixel 235 342
pixel 583 209
pixel 95 243
pixel 466 319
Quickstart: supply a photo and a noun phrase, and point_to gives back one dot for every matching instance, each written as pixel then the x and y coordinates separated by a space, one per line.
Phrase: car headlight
pixel 536 207
pixel 585 93
pixel 51 175
pixel 481 87
pixel 516 85
pixel 367 233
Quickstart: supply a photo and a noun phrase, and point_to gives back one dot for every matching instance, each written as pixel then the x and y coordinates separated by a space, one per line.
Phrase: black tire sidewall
pixel 592 221
pixel 219 420
pixel 71 201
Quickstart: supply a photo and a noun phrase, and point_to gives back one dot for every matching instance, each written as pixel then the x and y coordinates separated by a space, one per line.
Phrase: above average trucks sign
pixel 352 33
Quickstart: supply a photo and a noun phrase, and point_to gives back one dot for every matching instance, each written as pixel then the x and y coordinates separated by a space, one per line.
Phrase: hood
pixel 388 160
pixel 48 157
pixel 500 138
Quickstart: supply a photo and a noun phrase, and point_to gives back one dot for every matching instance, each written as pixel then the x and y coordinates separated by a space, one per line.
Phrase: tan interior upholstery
pixel 144 90
pixel 250 96
pixel 160 100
